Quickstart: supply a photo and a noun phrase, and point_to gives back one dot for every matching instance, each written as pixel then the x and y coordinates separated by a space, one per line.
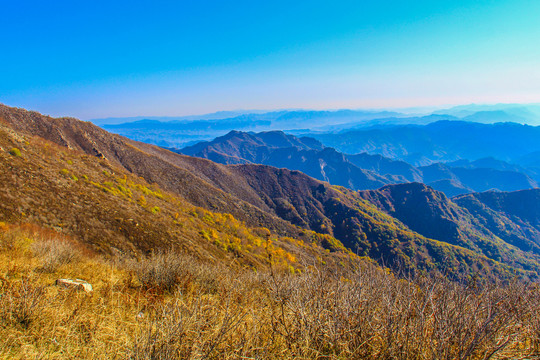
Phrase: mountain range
pixel 360 171
pixel 186 130
pixel 440 141
pixel 116 194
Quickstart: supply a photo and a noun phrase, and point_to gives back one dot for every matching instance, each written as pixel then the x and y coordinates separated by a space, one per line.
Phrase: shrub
pixel 161 271
pixel 172 271
pixel 21 303
pixel 15 152
pixel 55 253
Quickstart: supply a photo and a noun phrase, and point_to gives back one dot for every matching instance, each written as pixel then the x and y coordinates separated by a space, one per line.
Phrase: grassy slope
pixel 171 306
pixel 116 212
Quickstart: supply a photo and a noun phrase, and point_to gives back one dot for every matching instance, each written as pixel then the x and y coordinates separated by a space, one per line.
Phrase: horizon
pixel 407 111
pixel 101 60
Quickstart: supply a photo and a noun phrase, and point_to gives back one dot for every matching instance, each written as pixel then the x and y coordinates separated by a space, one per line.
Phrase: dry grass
pixel 171 306
pixel 55 253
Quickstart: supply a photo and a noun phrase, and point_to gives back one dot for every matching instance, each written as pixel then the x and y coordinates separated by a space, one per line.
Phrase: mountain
pixel 439 141
pixel 486 163
pixel 450 187
pixel 512 216
pixel 212 116
pixel 385 122
pixel 477 179
pixel 278 149
pixel 116 195
pixel 238 147
pixel 111 211
pixel 520 113
pixel 360 171
pixel 432 214
pixel 362 224
pixel 494 116
pixel 385 166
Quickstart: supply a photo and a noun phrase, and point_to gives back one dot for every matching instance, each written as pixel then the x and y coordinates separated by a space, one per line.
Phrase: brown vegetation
pixel 170 306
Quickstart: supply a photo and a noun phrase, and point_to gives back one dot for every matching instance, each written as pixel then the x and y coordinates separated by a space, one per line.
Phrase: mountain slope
pixel 290 203
pixel 275 148
pixel 513 216
pixel 356 219
pixel 433 215
pixel 114 212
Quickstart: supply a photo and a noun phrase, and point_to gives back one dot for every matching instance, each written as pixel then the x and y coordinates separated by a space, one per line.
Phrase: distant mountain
pixel 494 116
pixel 440 141
pixel 385 122
pixel 485 163
pixel 520 113
pixel 277 149
pixel 385 166
pixel 212 116
pixel 187 130
pixel 477 178
pixel 450 187
pixel 238 147
pixel 361 171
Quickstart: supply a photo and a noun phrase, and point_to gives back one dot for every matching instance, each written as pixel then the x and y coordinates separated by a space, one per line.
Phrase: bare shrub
pixel 202 328
pixel 55 253
pixel 171 271
pixel 371 314
pixel 21 303
pixel 166 271
pixel 162 337
pixel 531 309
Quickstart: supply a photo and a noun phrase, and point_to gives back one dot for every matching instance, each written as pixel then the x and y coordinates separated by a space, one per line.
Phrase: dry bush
pixel 21 303
pixel 205 310
pixel 55 253
pixel 371 314
pixel 185 331
pixel 170 271
pixel 531 310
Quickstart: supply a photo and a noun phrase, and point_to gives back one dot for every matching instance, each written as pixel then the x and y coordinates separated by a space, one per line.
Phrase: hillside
pixel 115 213
pixel 369 229
pixel 513 216
pixel 432 214
pixel 289 203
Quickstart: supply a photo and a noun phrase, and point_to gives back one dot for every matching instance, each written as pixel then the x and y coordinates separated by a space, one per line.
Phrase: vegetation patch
pixel 15 152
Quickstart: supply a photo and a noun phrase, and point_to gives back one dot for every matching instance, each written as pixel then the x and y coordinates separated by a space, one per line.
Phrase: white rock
pixel 76 284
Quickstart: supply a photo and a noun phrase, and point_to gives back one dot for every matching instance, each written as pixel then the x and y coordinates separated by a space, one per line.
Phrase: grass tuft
pixel 15 152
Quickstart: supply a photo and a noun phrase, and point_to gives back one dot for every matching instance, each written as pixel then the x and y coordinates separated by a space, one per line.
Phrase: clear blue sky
pixel 125 58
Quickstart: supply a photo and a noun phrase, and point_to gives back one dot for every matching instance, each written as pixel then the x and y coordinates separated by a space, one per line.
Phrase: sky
pixel 95 59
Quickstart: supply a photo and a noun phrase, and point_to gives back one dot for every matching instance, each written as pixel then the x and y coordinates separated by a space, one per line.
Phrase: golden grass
pixel 171 306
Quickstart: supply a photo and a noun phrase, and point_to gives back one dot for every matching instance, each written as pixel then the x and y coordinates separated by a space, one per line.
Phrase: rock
pixel 76 284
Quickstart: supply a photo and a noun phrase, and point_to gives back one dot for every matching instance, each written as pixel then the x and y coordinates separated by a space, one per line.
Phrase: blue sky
pixel 97 58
